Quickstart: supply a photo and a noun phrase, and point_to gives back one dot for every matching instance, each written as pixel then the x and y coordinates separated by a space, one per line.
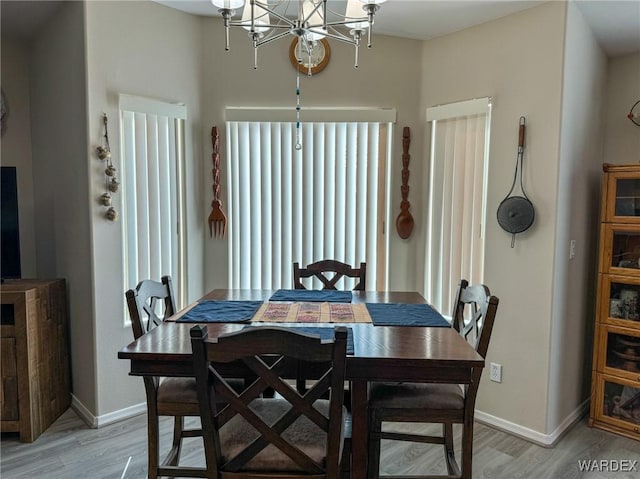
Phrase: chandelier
pixel 309 20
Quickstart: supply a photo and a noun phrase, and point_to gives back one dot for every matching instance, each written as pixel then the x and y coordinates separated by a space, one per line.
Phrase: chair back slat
pixel 337 269
pixel 149 304
pixel 474 314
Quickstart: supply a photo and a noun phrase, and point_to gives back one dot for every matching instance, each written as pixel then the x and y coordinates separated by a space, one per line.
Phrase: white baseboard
pixel 545 440
pixel 96 422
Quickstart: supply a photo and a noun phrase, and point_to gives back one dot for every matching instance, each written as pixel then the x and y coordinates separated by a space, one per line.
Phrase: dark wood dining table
pixel 381 353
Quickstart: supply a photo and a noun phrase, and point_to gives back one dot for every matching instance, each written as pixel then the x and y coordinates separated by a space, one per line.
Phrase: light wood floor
pixel 69 450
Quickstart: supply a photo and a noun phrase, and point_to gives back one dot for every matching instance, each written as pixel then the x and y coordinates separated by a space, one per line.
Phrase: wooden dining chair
pixel 149 304
pixel 446 404
pixel 289 435
pixel 320 270
pixel 337 269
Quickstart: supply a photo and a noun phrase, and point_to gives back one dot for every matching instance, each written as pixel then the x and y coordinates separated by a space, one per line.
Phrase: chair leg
pixel 301 385
pixel 345 460
pixel 449 453
pixel 467 449
pixel 174 454
pixel 373 459
pixel 152 442
pixel 347 397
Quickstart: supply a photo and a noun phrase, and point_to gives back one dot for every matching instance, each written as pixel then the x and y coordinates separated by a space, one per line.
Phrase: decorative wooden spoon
pixel 404 222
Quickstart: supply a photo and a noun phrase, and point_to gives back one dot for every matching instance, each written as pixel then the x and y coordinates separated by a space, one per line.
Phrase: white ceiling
pixel 616 23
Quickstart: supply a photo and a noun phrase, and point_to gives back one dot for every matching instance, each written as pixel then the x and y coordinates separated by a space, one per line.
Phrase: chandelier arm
pixel 277 15
pixel 226 17
pixel 308 48
pixel 331 31
pixel 270 25
pixel 346 22
pixel 315 9
pixel 338 37
pixel 271 39
pixel 357 35
pixel 371 9
pixel 303 45
pixel 254 39
pixel 252 4
pixel 341 14
pixel 263 5
pixel 324 15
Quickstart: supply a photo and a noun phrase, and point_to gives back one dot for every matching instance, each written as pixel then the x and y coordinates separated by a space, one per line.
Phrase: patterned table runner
pixel 312 313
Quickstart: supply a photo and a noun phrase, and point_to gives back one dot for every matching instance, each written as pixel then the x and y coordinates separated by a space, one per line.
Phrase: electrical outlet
pixel 495 372
pixel 572 249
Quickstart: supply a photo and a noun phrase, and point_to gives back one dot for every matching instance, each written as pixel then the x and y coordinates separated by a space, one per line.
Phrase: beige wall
pixel 61 191
pixel 16 144
pixel 165 64
pixel 388 76
pixel 516 60
pixel 579 179
pixel 622 137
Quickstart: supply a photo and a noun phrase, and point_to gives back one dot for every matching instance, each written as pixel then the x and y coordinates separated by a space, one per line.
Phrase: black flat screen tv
pixel 10 240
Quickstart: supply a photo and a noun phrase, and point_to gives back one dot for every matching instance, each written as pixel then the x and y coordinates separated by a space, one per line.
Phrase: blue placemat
pixel 323 332
pixel 397 314
pixel 221 312
pixel 312 295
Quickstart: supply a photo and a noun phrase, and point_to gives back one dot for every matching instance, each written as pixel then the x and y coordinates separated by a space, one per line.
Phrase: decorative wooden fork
pixel 217 218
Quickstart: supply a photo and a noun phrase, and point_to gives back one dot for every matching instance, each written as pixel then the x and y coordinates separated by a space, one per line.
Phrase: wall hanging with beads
pixel 111 182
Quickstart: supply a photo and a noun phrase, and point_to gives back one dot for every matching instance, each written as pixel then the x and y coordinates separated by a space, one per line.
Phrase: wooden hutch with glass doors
pixel 615 387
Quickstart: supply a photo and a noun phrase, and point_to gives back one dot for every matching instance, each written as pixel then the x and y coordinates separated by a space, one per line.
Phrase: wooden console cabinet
pixel 35 387
pixel 615 386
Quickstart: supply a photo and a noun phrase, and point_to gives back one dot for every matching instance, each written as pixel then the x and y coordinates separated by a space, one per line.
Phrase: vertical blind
pixel 152 146
pixel 457 201
pixel 325 201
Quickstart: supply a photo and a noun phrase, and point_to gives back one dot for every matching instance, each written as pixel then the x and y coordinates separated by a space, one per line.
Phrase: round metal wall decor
pixel 516 213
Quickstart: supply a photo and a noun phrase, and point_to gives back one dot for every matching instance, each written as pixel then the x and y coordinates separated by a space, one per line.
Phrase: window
pixel 152 153
pixel 326 201
pixel 457 198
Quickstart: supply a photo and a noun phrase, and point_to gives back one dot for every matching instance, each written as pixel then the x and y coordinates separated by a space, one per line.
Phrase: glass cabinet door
pixel 620 300
pixel 619 403
pixel 622 352
pixel 621 253
pixel 623 197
